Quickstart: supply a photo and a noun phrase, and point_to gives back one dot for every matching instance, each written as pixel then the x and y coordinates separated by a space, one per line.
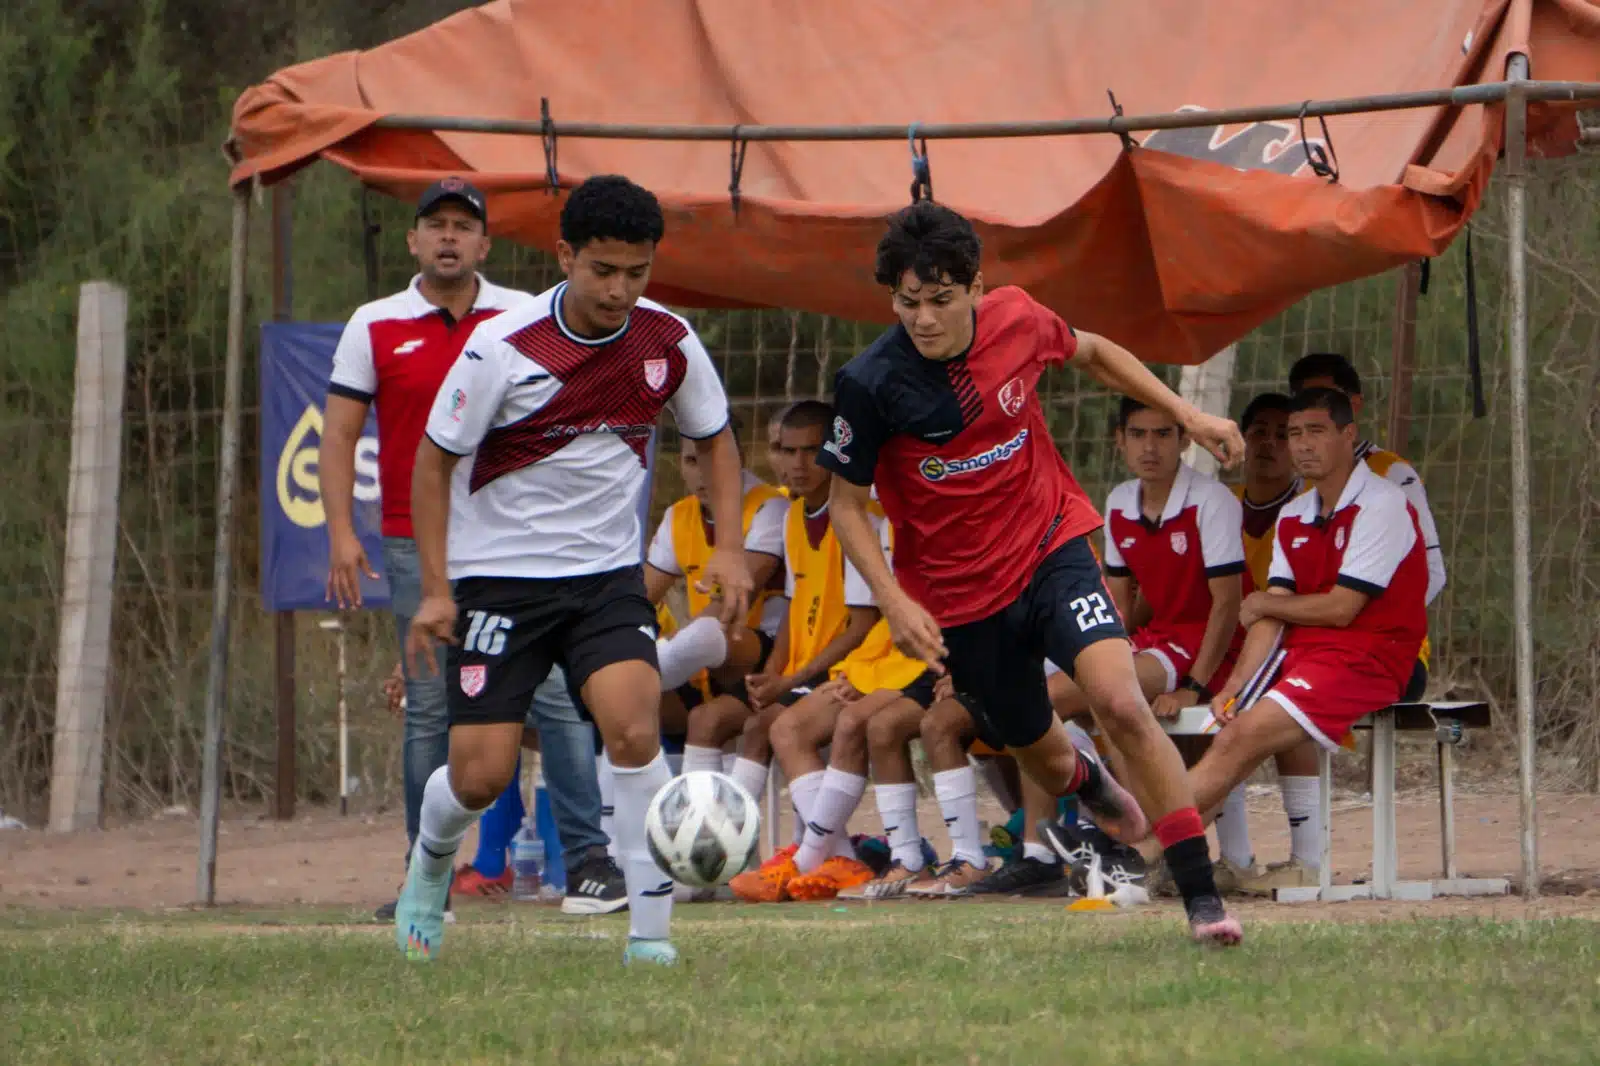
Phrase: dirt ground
pixel 321 858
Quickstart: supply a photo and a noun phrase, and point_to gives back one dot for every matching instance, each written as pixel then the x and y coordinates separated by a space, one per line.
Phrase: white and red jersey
pixel 1370 543
pixel 1198 537
pixel 395 352
pixel 554 428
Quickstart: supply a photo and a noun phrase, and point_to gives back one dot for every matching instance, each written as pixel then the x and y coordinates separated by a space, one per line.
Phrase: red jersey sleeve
pixel 1057 340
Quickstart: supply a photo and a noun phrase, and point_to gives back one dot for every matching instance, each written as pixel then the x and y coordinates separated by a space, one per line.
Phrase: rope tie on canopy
pixel 1324 163
pixel 1128 142
pixel 736 169
pixel 547 133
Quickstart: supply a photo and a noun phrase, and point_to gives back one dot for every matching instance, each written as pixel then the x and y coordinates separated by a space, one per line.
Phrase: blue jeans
pixel 566 741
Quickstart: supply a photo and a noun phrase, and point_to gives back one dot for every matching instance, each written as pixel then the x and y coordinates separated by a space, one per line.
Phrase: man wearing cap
pixel 395 352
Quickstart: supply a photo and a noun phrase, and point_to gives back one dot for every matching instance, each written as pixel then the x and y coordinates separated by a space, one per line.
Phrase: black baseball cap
pixel 453 188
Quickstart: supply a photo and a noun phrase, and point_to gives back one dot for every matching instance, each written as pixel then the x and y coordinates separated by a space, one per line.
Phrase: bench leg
pixel 1384 857
pixel 1447 813
pixel 1325 817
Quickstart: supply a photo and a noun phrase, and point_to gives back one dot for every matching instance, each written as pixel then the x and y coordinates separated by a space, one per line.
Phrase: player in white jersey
pixel 536 537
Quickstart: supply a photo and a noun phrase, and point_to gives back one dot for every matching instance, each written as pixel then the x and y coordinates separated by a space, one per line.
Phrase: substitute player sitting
pixel 682 545
pixel 993 568
pixel 1347 599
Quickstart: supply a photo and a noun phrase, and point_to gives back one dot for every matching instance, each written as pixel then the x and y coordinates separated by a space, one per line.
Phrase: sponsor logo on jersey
pixel 1180 543
pixel 458 403
pixel 1012 396
pixel 655 374
pixel 570 429
pixel 936 469
pixel 408 347
pixel 842 436
pixel 1128 542
pixel 473 678
pixel 1298 542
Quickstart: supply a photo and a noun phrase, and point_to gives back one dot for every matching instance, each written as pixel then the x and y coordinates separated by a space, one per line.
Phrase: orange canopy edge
pixel 1175 247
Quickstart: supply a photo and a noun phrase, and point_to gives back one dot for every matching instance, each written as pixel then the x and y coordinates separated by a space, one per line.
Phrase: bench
pixel 1448 722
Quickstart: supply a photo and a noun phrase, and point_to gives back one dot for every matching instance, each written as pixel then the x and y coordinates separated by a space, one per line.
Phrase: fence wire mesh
pixel 166 522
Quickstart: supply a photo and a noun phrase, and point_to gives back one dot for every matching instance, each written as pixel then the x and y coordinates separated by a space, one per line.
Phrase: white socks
pixel 649 890
pixel 957 791
pixel 697 758
pixel 1233 830
pixel 830 813
pixel 608 791
pixel 443 823
pixel 1301 797
pixel 897 806
pixel 752 775
pixel 803 793
pixel 697 646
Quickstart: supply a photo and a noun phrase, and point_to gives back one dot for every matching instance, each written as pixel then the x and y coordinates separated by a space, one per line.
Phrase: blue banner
pixel 296 362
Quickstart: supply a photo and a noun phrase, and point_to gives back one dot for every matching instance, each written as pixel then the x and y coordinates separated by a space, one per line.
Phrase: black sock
pixel 1190 863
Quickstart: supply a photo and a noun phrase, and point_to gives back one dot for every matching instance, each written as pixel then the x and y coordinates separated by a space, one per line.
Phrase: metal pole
pixel 285 776
pixel 1461 96
pixel 1521 531
pixel 222 580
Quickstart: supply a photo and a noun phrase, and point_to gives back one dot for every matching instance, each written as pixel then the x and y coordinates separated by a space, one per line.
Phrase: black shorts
pixel 997 663
pixel 511 630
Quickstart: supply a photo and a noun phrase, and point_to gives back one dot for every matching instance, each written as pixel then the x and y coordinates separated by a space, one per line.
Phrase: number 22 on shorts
pixel 487 633
pixel 1092 611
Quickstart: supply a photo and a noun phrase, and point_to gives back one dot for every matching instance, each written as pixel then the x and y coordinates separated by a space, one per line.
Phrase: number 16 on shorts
pixel 486 633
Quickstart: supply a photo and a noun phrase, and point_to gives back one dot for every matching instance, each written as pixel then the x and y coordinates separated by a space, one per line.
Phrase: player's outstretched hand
pixel 433 624
pixel 727 577
pixel 915 632
pixel 347 561
pixel 394 691
pixel 1219 436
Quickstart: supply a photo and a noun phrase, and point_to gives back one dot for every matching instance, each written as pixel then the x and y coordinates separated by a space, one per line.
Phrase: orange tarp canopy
pixel 1175 248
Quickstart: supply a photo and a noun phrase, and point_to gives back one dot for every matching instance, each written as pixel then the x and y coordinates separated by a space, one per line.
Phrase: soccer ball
pixel 702 828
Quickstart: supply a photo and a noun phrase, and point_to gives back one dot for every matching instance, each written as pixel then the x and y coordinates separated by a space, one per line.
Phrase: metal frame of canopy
pixel 1515 92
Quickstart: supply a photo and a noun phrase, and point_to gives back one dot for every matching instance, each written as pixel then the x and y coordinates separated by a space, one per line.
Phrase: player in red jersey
pixel 1347 597
pixel 993 568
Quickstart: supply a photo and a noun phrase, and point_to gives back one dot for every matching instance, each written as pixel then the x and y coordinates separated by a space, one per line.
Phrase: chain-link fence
pixel 172 417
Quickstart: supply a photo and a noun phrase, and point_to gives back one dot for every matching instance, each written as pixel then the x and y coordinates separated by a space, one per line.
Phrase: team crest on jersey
pixel 655 374
pixel 473 678
pixel 1180 543
pixel 1012 396
pixel 1338 540
pixel 458 403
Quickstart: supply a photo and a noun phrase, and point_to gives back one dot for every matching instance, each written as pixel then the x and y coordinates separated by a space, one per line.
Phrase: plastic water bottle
pixel 553 874
pixel 527 864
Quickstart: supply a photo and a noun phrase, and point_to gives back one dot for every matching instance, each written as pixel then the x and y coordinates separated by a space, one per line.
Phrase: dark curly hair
pixel 609 206
pixel 931 241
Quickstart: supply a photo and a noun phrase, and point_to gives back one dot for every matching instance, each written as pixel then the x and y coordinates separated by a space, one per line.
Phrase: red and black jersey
pixel 961 456
pixel 1371 543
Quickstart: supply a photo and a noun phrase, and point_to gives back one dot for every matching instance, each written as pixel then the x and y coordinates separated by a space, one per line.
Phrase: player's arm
pixel 1410 483
pixel 463 410
pixel 1121 371
pixel 862 619
pixel 350 391
pixel 1122 591
pixel 700 409
pixel 1260 641
pixel 661 569
pixel 1333 609
pixel 1226 593
pixel 1220 517
pixel 763 545
pixel 657 584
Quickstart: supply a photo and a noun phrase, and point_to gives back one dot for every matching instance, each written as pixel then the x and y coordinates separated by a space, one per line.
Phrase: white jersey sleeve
pixel 1380 537
pixel 355 374
pixel 465 407
pixel 663 554
pixel 1221 520
pixel 1111 560
pixel 1279 573
pixel 1405 476
pixel 700 406
pixel 766 528
pixel 857 593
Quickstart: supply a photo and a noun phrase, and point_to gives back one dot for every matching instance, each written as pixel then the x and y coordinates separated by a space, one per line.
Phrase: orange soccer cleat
pixel 769 882
pixel 829 879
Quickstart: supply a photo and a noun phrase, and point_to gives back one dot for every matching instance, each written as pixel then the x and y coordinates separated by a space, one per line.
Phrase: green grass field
pixel 903 983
